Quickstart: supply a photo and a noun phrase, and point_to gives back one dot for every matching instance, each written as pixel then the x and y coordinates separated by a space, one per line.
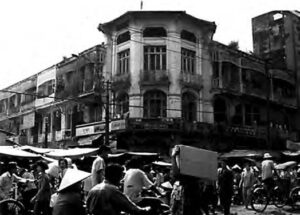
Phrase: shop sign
pixel 117 125
pixel 90 129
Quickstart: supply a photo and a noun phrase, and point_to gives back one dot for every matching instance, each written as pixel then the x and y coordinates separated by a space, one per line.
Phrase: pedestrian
pixel 225 184
pixel 42 199
pixel 8 178
pixel 69 200
pixel 135 180
pixel 246 183
pixel 98 166
pixel 105 198
pixel 63 166
pixel 187 195
pixel 267 171
pixel 29 190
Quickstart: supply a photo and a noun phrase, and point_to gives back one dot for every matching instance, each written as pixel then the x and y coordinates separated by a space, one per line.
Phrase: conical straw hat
pixel 72 176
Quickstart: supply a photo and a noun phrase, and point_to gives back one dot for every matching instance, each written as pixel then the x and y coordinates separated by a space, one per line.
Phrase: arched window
pixel 122 104
pixel 220 110
pixel 189 107
pixel 154 32
pixel 123 37
pixel 186 35
pixel 155 104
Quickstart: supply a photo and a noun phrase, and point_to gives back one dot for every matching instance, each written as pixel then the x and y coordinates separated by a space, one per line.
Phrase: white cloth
pixel 267 167
pixel 98 165
pixel 134 181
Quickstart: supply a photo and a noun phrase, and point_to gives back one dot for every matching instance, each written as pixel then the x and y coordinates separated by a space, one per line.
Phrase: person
pixel 105 198
pixel 63 165
pixel 69 200
pixel 8 178
pixel 71 165
pixel 98 165
pixel 30 188
pixel 187 195
pixel 246 183
pixel 225 184
pixel 135 180
pixel 267 168
pixel 42 198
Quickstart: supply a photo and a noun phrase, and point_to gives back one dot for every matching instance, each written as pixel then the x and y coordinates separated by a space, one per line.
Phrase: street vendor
pixel 7 179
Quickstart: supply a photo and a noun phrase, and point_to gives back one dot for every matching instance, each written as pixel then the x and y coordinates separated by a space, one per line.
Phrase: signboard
pixel 90 129
pixel 291 145
pixel 117 125
pixel 198 162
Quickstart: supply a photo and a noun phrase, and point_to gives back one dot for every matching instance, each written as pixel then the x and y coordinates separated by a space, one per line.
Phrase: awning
pixel 162 163
pixel 36 149
pixel 286 165
pixel 291 153
pixel 241 154
pixel 72 153
pixel 88 140
pixel 16 152
pixel 250 154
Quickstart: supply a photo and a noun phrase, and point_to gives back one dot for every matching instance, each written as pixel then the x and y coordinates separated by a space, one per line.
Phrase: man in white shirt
pixel 98 166
pixel 267 168
pixel 7 179
pixel 134 181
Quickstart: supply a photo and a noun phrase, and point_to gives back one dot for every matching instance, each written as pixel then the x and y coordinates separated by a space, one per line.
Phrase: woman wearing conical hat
pixel 69 200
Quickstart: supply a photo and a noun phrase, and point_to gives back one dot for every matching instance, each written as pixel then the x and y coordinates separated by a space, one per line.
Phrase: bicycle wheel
pixel 279 197
pixel 259 200
pixel 295 198
pixel 11 207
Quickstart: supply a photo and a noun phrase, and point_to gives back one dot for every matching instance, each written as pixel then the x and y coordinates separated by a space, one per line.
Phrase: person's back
pixel 267 167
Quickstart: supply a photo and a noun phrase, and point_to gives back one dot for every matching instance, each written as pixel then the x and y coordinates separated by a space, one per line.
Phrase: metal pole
pixel 107 115
pixel 46 133
pixel 269 145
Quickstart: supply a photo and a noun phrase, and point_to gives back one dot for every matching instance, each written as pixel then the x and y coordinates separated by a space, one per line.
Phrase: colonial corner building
pixel 160 79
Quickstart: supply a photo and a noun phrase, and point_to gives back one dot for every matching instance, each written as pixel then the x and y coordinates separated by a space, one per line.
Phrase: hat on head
pixel 236 167
pixel 71 177
pixel 267 155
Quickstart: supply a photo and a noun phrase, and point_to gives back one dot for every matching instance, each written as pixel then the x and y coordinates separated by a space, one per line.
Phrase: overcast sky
pixel 36 34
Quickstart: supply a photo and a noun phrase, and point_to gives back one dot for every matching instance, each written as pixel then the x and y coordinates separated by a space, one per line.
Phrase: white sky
pixel 36 34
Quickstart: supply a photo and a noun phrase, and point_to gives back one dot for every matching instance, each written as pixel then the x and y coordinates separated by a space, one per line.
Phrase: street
pixel 271 209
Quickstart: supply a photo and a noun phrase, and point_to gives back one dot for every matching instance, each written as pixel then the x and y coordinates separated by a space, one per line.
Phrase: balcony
pixel 249 131
pixel 166 124
pixel 154 77
pixel 283 100
pixel 253 91
pixel 283 75
pixel 121 81
pixel 191 80
pixel 218 85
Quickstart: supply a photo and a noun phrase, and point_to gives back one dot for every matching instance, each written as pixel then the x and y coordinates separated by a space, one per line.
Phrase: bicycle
pixel 261 197
pixel 12 206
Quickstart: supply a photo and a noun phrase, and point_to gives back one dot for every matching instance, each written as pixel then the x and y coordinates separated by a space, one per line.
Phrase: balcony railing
pixel 290 101
pixel 121 81
pixel 154 77
pixel 155 123
pixel 191 80
pixel 226 86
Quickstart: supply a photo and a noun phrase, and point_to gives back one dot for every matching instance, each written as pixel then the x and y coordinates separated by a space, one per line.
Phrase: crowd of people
pixel 112 188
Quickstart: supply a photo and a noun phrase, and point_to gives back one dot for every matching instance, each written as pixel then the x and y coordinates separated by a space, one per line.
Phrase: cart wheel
pixel 11 207
pixel 295 198
pixel 259 200
pixel 279 198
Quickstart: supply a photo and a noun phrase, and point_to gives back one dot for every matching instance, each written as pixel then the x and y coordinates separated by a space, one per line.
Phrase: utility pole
pixel 107 115
pixel 46 132
pixel 269 145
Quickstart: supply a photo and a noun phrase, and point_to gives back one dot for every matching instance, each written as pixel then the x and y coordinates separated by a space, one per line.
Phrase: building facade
pixel 167 82
pixel 47 109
